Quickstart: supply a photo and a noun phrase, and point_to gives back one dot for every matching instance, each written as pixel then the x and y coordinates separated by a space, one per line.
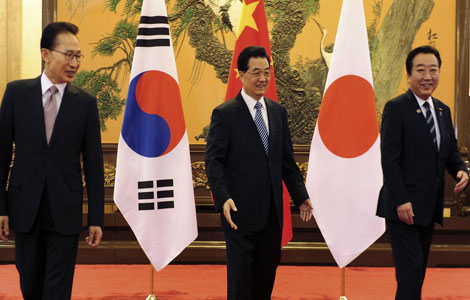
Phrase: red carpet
pixel 208 282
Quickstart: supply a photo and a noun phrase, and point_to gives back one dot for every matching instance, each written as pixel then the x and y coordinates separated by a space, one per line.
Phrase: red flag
pixel 253 31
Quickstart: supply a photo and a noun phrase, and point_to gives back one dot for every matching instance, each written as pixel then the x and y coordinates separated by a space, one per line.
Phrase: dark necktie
pixel 263 132
pixel 50 112
pixel 430 122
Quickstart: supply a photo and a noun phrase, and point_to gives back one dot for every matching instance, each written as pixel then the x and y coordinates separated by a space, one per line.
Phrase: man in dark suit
pixel 51 123
pixel 418 143
pixel 249 153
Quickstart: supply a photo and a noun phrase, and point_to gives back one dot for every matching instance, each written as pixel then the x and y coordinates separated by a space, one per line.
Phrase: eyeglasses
pixel 257 74
pixel 69 55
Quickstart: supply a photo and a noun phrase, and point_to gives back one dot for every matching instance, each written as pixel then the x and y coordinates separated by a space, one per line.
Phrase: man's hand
pixel 94 236
pixel 4 228
pixel 228 206
pixel 405 213
pixel 463 176
pixel 306 210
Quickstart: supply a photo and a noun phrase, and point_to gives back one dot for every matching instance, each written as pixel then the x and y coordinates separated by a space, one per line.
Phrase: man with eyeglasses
pixel 248 155
pixel 51 123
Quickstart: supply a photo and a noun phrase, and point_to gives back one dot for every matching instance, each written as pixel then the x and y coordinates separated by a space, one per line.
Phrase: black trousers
pixel 45 259
pixel 410 247
pixel 252 260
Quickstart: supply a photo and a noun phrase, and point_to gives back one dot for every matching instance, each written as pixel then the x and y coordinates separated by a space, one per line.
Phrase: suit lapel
pixel 440 121
pixel 271 123
pixel 67 108
pixel 247 122
pixel 419 116
pixel 33 100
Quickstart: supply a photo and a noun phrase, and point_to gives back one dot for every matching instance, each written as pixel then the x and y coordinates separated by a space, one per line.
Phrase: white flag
pixel 153 185
pixel 344 172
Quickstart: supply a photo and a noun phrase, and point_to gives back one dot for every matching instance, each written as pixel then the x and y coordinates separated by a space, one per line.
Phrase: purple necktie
pixel 50 112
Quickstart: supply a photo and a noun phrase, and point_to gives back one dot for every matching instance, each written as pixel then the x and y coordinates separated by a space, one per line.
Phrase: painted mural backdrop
pixel 302 37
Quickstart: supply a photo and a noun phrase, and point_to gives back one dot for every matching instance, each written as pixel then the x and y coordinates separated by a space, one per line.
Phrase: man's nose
pixel 263 77
pixel 74 62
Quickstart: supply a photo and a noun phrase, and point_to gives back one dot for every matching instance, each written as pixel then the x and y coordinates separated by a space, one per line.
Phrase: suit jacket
pixel 413 167
pixel 55 166
pixel 238 167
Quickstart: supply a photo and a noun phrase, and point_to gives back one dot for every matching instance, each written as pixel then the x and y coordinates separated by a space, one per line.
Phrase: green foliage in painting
pixel 120 43
pixel 372 28
pixel 106 90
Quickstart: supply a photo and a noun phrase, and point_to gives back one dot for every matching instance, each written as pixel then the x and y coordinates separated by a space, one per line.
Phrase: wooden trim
pixel 49 12
pixel 462 89
pixel 462 65
pixel 201 148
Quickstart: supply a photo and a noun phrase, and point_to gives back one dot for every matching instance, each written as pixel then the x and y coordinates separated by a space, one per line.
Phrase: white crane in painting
pixel 326 56
pixel 228 10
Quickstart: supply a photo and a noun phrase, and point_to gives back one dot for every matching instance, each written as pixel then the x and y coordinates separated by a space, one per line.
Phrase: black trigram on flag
pixel 146 193
pixel 153 32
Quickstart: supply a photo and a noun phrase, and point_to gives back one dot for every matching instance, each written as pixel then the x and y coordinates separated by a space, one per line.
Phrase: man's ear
pixel 241 74
pixel 45 53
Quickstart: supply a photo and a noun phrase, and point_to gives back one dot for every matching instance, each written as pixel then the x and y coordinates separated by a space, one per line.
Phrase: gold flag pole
pixel 343 285
pixel 151 296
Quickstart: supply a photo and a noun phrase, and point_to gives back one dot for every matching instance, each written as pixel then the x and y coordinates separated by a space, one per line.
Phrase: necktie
pixel 263 132
pixel 430 122
pixel 50 112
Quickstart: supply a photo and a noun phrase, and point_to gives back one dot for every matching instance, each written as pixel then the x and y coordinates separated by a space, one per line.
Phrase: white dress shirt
pixel 46 83
pixel 433 111
pixel 250 102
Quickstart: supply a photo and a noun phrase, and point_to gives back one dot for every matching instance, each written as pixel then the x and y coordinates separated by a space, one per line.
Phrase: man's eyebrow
pixel 423 65
pixel 260 69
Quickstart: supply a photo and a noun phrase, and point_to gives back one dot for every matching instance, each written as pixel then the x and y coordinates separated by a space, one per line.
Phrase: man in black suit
pixel 418 143
pixel 249 153
pixel 51 123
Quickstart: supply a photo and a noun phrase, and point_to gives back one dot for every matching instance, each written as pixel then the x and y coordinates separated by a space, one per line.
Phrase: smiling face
pixel 255 80
pixel 57 68
pixel 424 76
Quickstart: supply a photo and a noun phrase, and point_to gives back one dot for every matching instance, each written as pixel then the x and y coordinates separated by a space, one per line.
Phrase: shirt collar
pixel 422 101
pixel 46 83
pixel 250 101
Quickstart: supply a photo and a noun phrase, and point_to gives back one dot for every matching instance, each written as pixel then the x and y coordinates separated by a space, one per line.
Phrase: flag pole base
pixel 343 298
pixel 151 297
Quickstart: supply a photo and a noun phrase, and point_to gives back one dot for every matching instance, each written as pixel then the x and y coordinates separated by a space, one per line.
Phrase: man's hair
pixel 420 50
pixel 52 30
pixel 249 52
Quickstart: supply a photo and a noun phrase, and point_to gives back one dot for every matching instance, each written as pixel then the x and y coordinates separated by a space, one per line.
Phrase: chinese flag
pixel 253 31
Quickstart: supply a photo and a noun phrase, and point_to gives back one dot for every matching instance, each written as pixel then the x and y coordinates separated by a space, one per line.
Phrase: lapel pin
pixel 418 111
pixel 440 111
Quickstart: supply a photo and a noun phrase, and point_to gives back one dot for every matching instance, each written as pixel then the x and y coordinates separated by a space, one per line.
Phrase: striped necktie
pixel 263 132
pixel 430 122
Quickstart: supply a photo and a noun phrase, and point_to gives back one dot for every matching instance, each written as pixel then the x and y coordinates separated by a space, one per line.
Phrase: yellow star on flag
pixel 246 18
pixel 236 71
